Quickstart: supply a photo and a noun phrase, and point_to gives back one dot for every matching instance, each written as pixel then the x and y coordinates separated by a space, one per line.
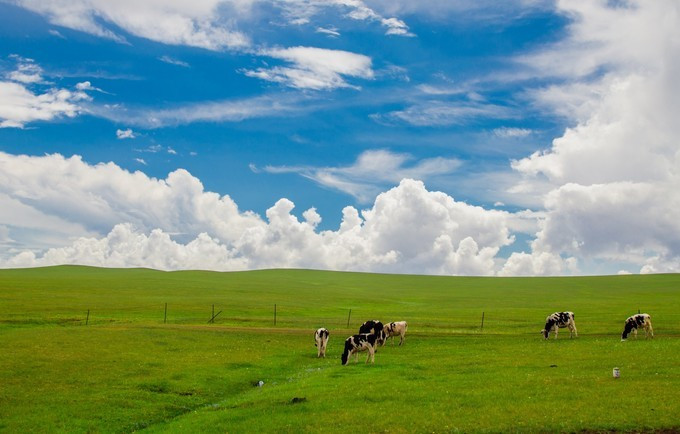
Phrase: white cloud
pixel 538 264
pixel 19 105
pixel 300 12
pixel 140 222
pixel 442 113
pixel 125 134
pixel 211 111
pixel 27 72
pixel 140 161
pixel 314 68
pixel 99 197
pixel 331 31
pixel 173 61
pixel 614 173
pixel 372 172
pixel 56 33
pixel 196 23
pixel 507 132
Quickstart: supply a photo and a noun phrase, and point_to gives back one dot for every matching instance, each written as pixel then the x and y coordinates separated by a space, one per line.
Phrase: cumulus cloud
pixel 174 223
pixel 314 68
pixel 614 173
pixel 195 23
pixel 26 97
pixel 372 172
pixel 19 105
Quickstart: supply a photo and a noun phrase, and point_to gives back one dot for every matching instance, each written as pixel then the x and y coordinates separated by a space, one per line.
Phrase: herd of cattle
pixel 373 334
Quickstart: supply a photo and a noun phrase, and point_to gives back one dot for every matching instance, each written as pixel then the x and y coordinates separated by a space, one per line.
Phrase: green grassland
pixel 127 367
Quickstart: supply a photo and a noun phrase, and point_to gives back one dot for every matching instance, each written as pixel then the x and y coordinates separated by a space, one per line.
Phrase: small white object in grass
pixel 260 383
pixel 616 372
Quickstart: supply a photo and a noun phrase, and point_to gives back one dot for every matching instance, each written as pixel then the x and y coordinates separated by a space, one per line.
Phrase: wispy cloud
pixel 191 23
pixel 299 12
pixel 506 132
pixel 26 72
pixel 331 31
pixel 443 113
pixel 173 61
pixel 314 68
pixel 372 171
pixel 210 111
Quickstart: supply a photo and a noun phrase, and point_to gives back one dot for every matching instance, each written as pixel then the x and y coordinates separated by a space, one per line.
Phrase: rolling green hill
pixel 130 364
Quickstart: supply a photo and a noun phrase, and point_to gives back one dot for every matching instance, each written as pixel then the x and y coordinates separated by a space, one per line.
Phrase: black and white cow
pixel 373 326
pixel 397 328
pixel 362 342
pixel 320 341
pixel 634 322
pixel 560 320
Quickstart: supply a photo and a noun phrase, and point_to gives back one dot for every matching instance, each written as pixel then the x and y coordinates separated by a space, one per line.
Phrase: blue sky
pixel 467 137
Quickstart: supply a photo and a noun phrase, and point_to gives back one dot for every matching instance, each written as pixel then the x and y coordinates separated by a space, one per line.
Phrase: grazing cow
pixel 362 342
pixel 560 320
pixel 396 328
pixel 320 341
pixel 634 322
pixel 372 326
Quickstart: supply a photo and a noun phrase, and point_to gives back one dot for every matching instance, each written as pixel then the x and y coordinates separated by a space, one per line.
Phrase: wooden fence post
pixel 348 317
pixel 274 313
pixel 88 317
pixel 482 327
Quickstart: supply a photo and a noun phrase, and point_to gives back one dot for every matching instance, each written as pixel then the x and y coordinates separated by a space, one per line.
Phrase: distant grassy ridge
pixel 128 371
pixel 304 298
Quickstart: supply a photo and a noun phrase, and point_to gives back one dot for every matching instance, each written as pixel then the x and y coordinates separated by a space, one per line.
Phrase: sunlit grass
pixel 127 370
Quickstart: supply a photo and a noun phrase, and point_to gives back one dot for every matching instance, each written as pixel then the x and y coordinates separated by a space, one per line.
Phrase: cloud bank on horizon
pixel 600 193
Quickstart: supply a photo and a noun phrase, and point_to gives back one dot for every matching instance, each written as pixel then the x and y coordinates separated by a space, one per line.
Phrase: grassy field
pixel 129 367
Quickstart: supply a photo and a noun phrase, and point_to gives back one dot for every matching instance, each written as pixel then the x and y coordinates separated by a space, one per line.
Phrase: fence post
pixel 88 317
pixel 482 327
pixel 274 313
pixel 212 317
pixel 348 317
pixel 165 314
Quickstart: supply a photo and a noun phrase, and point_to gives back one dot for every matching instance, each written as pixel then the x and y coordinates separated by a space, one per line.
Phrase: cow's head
pixel 381 338
pixel 545 333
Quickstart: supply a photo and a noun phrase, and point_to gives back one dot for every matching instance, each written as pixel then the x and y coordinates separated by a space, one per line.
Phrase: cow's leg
pixel 573 326
pixel 371 355
pixel 635 332
pixel 651 331
pixel 555 329
pixel 572 330
pixel 401 339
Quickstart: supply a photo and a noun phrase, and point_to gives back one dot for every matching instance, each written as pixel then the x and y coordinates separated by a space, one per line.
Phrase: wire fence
pixel 308 316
